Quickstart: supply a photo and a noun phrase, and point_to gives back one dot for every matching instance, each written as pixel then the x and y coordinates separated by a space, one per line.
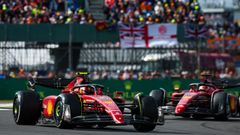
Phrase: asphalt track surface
pixel 173 126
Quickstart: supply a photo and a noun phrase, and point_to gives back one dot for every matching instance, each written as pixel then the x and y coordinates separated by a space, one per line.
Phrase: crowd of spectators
pixel 121 11
pixel 227 73
pixel 227 29
pixel 222 25
pixel 155 11
pixel 43 11
pixel 72 11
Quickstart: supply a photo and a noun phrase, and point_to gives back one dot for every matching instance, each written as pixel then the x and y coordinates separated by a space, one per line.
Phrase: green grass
pixel 6 101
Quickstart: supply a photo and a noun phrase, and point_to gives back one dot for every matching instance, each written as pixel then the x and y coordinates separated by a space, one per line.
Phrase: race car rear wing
pixel 57 83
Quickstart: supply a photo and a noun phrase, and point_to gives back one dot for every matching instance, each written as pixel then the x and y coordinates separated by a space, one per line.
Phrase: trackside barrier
pixel 8 87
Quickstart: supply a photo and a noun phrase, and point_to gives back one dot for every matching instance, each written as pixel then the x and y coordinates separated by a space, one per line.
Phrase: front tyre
pixel 147 110
pixel 220 106
pixel 58 115
pixel 159 96
pixel 67 106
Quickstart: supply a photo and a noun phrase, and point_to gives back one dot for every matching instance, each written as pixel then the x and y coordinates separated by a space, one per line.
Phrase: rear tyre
pixel 146 109
pixel 159 96
pixel 26 107
pixel 220 106
pixel 61 104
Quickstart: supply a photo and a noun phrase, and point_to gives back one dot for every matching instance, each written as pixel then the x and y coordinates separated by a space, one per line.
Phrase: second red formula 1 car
pixel 82 103
pixel 206 99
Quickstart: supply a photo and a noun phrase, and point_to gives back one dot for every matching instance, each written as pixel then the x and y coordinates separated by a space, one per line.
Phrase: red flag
pixel 101 25
pixel 109 3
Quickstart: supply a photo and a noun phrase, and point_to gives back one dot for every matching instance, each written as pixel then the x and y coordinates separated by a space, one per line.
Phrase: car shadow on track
pixel 124 129
pixel 232 119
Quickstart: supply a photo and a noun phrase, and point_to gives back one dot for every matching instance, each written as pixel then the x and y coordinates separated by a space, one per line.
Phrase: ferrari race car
pixel 82 103
pixel 206 99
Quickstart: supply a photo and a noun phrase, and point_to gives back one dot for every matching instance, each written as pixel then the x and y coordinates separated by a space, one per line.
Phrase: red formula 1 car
pixel 205 99
pixel 82 103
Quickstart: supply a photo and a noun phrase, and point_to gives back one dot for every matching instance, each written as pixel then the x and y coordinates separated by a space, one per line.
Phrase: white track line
pixel 2 109
pixel 5 106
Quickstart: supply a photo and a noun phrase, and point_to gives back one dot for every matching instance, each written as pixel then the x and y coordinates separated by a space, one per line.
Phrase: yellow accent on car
pixel 108 102
pixel 49 107
pixel 82 73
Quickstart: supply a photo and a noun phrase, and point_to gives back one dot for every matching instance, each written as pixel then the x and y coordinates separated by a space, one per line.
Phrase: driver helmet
pixel 99 91
pixel 82 90
pixel 203 88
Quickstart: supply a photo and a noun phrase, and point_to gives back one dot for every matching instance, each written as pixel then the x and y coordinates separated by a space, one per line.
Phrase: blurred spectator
pixel 21 73
pixel 155 11
pixel 2 75
pixel 43 11
pixel 69 74
pixel 227 29
pixel 67 11
pixel 228 73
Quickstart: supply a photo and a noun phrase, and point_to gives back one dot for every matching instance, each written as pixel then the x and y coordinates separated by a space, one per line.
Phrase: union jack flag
pixel 196 31
pixel 132 35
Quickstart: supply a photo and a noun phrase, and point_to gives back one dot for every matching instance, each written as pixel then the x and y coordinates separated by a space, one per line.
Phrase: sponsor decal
pixel 108 102
pixel 89 100
pixel 188 95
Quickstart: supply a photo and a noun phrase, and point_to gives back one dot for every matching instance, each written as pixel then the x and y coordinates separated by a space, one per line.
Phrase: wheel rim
pixel 58 113
pixel 58 110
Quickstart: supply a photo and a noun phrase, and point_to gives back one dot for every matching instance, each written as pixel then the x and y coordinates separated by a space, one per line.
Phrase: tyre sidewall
pixel 159 97
pixel 220 105
pixel 75 107
pixel 28 107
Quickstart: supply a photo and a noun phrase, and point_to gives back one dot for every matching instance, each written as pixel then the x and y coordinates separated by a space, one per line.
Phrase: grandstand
pixel 69 35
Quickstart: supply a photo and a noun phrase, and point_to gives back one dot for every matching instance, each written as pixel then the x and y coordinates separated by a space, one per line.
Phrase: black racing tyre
pixel 26 107
pixel 147 108
pixel 159 96
pixel 220 106
pixel 75 108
